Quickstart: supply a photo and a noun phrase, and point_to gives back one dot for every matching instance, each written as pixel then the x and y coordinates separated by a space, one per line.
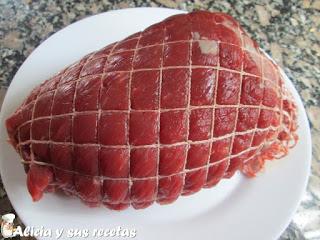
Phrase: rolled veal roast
pixel 162 113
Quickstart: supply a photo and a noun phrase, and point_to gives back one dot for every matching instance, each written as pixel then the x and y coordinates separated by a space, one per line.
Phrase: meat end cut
pixel 162 113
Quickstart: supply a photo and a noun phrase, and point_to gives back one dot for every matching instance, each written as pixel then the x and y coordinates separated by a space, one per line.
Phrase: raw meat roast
pixel 162 113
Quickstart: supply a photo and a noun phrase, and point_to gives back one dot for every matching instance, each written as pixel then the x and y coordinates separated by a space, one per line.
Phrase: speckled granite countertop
pixel 288 30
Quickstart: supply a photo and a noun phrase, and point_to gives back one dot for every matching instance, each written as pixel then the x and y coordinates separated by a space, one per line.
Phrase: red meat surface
pixel 160 114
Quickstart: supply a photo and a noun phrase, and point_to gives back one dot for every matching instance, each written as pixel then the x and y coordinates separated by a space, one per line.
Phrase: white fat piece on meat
pixel 206 46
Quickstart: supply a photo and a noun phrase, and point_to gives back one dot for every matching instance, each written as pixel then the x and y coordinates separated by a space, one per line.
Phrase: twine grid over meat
pixel 162 113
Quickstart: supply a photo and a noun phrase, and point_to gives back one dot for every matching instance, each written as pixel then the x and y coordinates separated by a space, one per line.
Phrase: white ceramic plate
pixel 239 208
